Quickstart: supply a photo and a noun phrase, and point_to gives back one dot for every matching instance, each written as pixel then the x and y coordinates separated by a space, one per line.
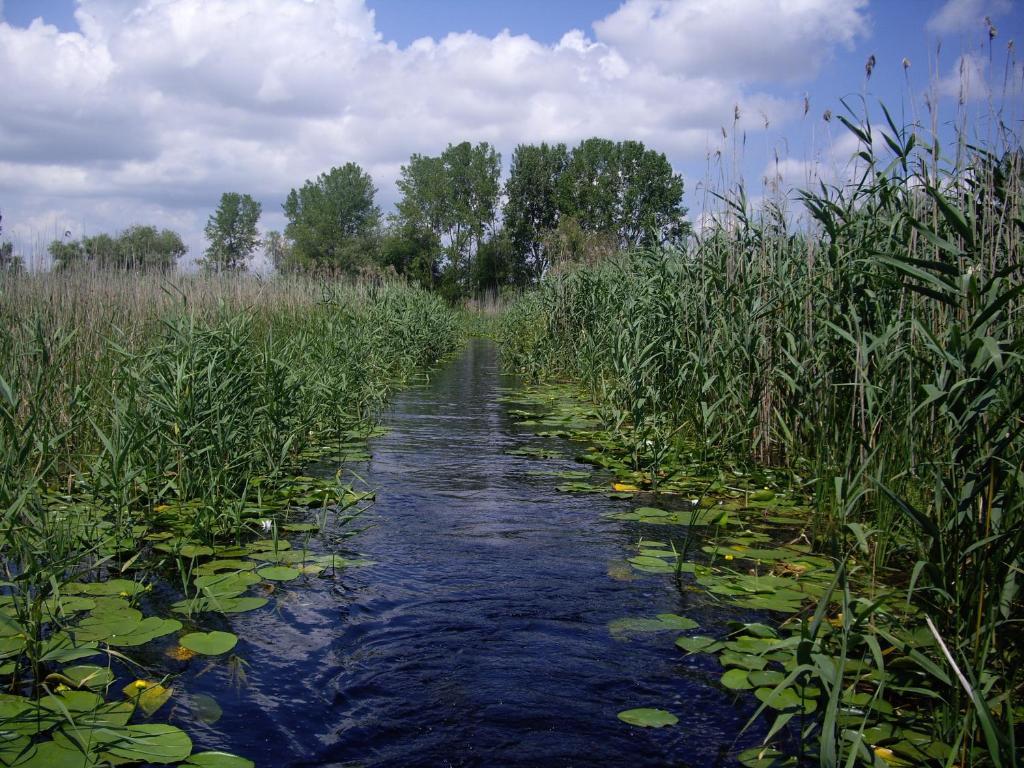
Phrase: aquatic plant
pixel 872 356
pixel 153 430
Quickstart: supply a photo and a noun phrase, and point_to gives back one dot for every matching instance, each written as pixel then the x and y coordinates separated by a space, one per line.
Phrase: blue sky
pixel 126 111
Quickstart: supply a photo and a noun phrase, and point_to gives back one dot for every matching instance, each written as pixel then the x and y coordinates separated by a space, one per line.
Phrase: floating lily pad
pixel 700 644
pixel 88 676
pixel 148 696
pixel 112 587
pixel 148 629
pixel 219 604
pixel 279 573
pixel 736 680
pixel 785 699
pixel 209 643
pixel 218 760
pixel 227 584
pixel 50 754
pixel 206 709
pixel 103 625
pixel 155 743
pixel 661 623
pixel 648 718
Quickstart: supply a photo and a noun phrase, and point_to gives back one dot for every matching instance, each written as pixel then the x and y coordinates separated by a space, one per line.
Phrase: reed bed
pixel 149 424
pixel 874 355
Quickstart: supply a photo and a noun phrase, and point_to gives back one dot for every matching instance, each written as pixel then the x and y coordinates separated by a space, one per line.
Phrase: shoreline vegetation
pixel 153 435
pixel 859 385
pixel 825 408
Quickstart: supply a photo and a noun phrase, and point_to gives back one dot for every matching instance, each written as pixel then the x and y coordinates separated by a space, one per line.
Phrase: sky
pixel 117 112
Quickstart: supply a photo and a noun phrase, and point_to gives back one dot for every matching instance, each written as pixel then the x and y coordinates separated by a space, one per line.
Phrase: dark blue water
pixel 480 635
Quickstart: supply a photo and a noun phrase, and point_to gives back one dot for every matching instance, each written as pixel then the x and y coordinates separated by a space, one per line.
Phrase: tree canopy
pixel 231 230
pixel 532 201
pixel 138 247
pixel 454 198
pixel 333 220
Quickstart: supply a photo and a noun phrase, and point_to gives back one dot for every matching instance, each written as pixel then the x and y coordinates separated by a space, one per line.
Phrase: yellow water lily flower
pixel 140 684
pixel 624 487
pixel 886 754
pixel 61 688
pixel 728 557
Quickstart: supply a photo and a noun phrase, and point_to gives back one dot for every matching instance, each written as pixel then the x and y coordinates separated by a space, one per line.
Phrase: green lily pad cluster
pixel 79 729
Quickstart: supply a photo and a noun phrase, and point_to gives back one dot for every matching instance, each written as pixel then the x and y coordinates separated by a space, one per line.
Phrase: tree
pixel 455 198
pixel 588 188
pixel 333 222
pixel 278 251
pixel 231 230
pixel 623 189
pixel 140 247
pixel 143 247
pixel 531 210
pixel 8 261
pixel 411 251
pixel 650 198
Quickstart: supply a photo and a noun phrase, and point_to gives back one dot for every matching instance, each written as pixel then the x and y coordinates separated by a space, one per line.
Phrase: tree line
pixel 456 228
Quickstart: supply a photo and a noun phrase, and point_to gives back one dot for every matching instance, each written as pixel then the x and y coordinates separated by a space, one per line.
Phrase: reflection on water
pixel 480 635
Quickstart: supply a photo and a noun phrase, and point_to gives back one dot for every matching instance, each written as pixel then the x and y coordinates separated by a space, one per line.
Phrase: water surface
pixel 479 636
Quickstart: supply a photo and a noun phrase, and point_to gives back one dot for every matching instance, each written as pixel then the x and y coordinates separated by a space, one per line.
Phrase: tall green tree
pixel 531 209
pixel 588 189
pixel 231 230
pixel 623 189
pixel 650 199
pixel 454 197
pixel 333 221
pixel 140 247
pixel 411 251
pixel 277 250
pixel 145 247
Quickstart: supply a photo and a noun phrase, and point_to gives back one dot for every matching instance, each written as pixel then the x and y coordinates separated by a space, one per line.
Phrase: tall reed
pixel 876 355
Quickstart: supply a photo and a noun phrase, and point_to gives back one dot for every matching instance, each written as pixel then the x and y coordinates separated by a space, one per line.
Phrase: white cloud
pixel 967 79
pixel 153 108
pixel 748 41
pixel 966 15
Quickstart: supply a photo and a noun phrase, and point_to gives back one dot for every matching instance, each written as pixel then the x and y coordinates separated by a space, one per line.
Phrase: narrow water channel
pixel 480 635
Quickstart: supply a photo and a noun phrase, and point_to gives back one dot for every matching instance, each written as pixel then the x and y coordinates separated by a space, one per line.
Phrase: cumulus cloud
pixel 966 15
pixel 751 42
pixel 154 107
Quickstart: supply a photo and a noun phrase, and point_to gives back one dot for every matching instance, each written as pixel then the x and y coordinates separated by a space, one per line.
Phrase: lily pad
pixel 209 643
pixel 279 573
pixel 785 699
pixel 89 676
pixel 206 709
pixel 155 743
pixel 50 754
pixel 736 680
pixel 700 644
pixel 648 718
pixel 661 623
pixel 148 696
pixel 218 760
pixel 148 629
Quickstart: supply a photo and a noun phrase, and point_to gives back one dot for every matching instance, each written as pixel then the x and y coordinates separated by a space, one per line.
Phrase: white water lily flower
pixel 695 502
pixel 265 524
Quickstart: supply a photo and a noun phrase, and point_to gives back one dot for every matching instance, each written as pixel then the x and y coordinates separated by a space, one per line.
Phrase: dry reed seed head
pixel 992 31
pixel 906 63
pixel 827 115
pixel 869 66
pixel 736 112
pixel 807 104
